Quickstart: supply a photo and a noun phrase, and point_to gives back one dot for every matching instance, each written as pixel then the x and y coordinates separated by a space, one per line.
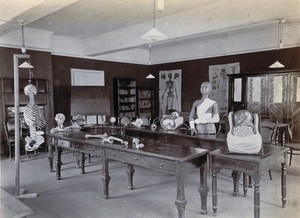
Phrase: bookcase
pixel 145 99
pixel 125 98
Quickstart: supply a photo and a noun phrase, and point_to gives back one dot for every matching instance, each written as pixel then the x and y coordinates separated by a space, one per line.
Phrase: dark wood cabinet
pixel 274 96
pixel 125 98
pixel 145 99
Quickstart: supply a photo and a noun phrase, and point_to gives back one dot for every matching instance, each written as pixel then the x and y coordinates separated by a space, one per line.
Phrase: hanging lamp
pixel 23 48
pixel 154 34
pixel 150 76
pixel 277 64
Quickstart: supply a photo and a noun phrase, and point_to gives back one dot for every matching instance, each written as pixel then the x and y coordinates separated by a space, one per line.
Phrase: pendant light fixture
pixel 150 76
pixel 277 64
pixel 154 34
pixel 23 48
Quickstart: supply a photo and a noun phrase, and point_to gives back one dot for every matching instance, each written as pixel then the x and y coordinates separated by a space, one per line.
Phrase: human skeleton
pixel 34 119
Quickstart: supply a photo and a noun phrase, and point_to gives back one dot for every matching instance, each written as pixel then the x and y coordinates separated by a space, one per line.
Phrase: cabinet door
pixel 256 88
pixel 267 96
pixel 276 97
pixel 294 108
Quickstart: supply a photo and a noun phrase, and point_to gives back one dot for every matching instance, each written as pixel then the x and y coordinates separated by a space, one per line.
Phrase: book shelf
pixel 145 99
pixel 125 98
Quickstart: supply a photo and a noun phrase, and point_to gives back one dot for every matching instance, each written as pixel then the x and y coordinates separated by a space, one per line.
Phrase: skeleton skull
pixel 30 90
pixel 60 119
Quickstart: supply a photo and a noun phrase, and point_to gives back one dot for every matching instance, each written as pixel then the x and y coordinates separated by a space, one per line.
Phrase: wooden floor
pixel 80 196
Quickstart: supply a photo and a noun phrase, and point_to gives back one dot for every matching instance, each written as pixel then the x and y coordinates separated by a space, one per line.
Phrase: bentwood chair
pixel 268 131
pixel 294 140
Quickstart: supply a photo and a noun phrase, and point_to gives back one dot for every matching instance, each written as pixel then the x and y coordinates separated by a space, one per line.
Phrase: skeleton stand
pixel 18 193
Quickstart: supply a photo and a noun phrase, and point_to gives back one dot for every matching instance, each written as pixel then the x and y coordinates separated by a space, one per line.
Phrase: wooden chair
pixel 9 133
pixel 268 130
pixel 294 139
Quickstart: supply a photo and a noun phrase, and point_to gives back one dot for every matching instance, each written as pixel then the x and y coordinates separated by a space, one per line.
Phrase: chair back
pixel 6 132
pixel 268 130
pixel 294 130
pixel 9 130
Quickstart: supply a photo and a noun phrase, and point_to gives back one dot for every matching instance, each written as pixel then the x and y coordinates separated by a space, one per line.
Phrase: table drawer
pixel 62 143
pixel 141 160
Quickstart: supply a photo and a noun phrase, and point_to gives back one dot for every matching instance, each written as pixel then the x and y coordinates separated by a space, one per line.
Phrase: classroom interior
pixel 93 64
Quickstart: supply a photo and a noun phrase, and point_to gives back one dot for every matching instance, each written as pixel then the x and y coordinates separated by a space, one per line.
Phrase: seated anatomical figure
pixel 243 124
pixel 243 136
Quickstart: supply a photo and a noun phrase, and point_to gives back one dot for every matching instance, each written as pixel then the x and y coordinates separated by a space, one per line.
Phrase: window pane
pixel 254 88
pixel 277 89
pixel 238 90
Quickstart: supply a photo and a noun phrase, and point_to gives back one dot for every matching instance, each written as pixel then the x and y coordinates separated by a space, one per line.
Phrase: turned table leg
pixel 203 188
pixel 245 184
pixel 180 199
pixel 236 178
pixel 283 184
pixel 256 199
pixel 105 176
pixel 82 162
pixel 130 172
pixel 214 192
pixel 50 155
pixel 58 163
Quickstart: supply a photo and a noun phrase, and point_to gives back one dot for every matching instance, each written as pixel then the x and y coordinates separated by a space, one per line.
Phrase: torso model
pixel 204 112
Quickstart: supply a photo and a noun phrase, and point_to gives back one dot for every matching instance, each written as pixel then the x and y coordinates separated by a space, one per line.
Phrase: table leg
pixel 203 188
pixel 283 184
pixel 180 199
pixel 105 176
pixel 256 199
pixel 50 155
pixel 77 154
pixel 82 161
pixel 130 172
pixel 245 184
pixel 214 192
pixel 58 162
pixel 250 182
pixel 236 178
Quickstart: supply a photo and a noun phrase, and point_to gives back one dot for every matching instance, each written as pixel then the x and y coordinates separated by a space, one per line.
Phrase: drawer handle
pixel 136 158
pixel 114 154
pixel 161 164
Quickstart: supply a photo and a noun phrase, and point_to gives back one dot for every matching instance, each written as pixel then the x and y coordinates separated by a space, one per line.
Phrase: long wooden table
pixel 252 165
pixel 156 155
